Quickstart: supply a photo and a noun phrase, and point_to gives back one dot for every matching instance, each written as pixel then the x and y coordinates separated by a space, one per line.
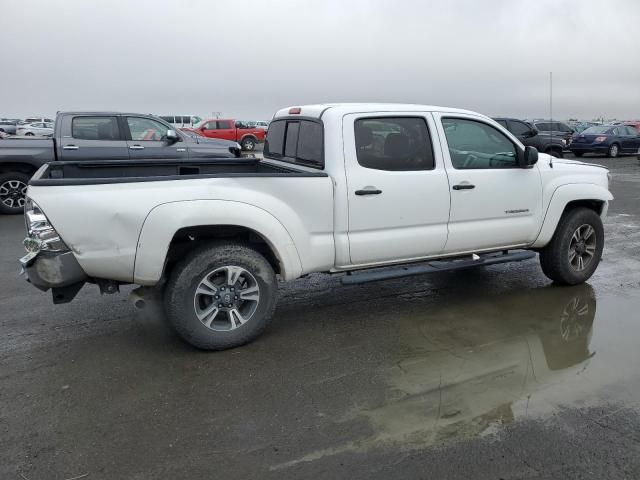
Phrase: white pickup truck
pixel 373 190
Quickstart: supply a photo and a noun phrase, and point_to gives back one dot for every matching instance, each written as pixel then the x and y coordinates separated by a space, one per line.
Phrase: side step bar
pixel 436 266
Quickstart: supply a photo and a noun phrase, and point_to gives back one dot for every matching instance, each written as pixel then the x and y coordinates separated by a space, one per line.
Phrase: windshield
pixel 599 129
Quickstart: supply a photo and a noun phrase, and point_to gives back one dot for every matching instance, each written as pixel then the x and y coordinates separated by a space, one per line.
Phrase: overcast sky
pixel 248 58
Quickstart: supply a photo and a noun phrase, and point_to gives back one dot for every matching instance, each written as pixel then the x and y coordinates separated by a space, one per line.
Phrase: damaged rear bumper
pixel 58 271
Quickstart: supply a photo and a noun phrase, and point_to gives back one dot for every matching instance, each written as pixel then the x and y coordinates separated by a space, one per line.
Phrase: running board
pixel 436 266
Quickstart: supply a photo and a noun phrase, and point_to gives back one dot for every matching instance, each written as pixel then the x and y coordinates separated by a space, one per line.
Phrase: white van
pixel 181 121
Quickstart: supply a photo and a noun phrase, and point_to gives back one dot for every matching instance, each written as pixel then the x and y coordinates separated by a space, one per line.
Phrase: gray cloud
pixel 247 59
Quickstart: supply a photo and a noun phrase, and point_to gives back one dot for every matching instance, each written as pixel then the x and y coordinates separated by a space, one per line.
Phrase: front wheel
pixel 248 144
pixel 29 134
pixel 614 151
pixel 575 250
pixel 221 296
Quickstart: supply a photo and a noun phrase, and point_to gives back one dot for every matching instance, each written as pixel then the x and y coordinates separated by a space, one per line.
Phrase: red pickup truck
pixel 234 130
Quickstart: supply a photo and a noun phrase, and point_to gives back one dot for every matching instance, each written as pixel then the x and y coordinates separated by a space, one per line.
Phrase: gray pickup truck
pixel 99 136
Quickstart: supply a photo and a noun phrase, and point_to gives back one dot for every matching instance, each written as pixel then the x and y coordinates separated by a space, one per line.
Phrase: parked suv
pixel 529 136
pixel 559 129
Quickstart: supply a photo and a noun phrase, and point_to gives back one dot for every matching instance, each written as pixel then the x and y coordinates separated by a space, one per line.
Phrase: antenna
pixel 551 113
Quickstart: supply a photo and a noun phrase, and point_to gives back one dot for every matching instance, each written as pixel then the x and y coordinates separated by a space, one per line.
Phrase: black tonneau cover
pixel 132 171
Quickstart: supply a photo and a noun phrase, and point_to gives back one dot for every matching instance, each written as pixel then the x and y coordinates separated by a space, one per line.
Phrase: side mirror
pixel 172 136
pixel 529 158
pixel 533 132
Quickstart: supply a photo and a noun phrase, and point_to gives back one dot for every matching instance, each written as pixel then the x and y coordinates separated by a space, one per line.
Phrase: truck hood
pixel 567 161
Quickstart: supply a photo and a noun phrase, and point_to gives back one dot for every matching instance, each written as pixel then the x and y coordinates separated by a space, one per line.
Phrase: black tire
pixel 248 144
pixel 555 256
pixel 11 200
pixel 181 297
pixel 578 154
pixel 614 150
pixel 29 134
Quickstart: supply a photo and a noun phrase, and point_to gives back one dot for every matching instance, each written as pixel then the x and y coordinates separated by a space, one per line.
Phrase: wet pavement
pixel 489 373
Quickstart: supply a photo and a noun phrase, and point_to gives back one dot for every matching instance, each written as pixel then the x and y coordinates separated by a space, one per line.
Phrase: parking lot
pixel 487 373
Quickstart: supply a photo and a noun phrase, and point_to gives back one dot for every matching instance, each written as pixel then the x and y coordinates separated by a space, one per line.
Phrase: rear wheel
pixel 248 144
pixel 13 189
pixel 614 151
pixel 575 250
pixel 221 296
pixel 29 134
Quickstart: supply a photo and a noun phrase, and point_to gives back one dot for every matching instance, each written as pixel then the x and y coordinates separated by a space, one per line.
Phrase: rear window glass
pixel 297 141
pixel 274 142
pixel 95 128
pixel 291 142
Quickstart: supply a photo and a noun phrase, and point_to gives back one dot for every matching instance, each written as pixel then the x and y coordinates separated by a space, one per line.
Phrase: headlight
pixel 564 142
pixel 41 236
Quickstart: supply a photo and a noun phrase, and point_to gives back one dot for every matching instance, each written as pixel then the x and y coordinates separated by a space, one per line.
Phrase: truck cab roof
pixel 319 110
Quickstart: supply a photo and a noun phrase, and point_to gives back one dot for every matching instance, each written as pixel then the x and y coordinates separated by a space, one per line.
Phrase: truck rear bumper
pixel 55 270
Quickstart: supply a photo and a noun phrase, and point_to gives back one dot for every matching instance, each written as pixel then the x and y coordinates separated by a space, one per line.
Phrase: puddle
pixel 471 366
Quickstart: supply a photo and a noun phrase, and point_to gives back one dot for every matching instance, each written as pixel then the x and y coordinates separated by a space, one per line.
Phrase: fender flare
pixel 561 197
pixel 250 135
pixel 164 220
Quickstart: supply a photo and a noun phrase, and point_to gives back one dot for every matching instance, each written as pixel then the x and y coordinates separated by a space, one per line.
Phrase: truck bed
pixel 132 171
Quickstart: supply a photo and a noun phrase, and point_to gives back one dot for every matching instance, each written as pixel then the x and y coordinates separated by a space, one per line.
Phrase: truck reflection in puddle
pixel 461 368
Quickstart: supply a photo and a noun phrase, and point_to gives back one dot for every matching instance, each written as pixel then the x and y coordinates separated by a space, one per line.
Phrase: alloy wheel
pixel 226 298
pixel 582 247
pixel 12 193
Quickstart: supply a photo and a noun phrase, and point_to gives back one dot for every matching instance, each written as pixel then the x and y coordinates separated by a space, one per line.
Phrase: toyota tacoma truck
pixel 366 191
pixel 98 136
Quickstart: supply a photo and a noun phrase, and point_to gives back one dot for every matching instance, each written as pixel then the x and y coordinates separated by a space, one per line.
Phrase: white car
pixel 343 188
pixel 38 129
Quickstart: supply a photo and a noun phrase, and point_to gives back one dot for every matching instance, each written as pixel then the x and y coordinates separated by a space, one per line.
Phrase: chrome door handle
pixel 136 147
pixel 70 147
pixel 181 149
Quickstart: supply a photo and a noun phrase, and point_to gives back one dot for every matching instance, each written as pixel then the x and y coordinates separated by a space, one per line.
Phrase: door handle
pixel 70 147
pixel 464 186
pixel 181 149
pixel 369 191
pixel 136 147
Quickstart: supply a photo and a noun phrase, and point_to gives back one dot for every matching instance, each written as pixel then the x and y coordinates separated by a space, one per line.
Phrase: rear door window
pixel 224 124
pixel 95 128
pixel 394 143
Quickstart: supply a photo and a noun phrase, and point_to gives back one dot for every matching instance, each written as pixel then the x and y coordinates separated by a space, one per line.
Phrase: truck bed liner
pixel 132 171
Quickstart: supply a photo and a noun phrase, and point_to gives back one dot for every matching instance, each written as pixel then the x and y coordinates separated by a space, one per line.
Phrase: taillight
pixel 600 139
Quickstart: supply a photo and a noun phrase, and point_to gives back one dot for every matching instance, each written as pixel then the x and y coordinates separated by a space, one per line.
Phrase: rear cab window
pixel 299 141
pixel 95 128
pixel 394 143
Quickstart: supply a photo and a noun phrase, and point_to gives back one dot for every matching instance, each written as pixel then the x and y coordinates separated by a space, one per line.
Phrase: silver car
pixel 8 126
pixel 39 129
